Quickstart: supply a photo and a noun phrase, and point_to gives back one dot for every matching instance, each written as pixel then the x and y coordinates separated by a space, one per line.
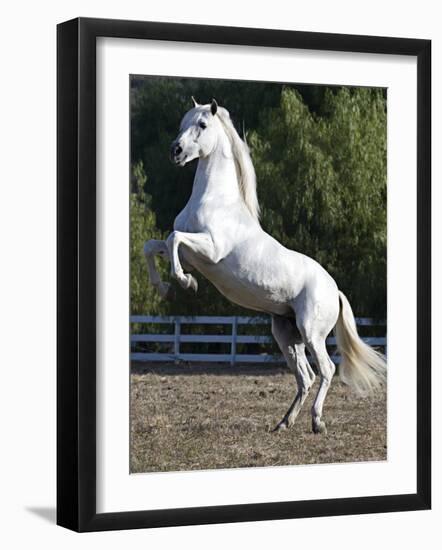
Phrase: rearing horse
pixel 218 233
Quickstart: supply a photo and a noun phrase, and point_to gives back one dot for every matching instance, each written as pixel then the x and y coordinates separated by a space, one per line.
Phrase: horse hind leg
pixel 326 369
pixel 292 347
pixel 305 378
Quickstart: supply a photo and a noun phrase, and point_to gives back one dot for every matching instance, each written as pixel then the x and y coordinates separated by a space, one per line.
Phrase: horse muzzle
pixel 176 153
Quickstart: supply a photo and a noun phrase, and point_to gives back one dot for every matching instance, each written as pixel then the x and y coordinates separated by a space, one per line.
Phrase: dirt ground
pixel 204 417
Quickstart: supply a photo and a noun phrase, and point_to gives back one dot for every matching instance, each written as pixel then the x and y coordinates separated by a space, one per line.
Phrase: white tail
pixel 361 367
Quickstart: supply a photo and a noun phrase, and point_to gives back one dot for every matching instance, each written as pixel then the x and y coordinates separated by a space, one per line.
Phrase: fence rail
pixel 233 339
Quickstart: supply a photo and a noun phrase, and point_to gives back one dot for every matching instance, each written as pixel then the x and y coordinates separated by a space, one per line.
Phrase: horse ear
pixel 195 102
pixel 213 107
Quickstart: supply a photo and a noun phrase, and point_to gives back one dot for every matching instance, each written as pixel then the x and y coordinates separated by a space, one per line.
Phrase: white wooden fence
pixel 175 338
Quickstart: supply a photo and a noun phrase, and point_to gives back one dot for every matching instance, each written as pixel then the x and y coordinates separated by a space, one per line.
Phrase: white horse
pixel 218 233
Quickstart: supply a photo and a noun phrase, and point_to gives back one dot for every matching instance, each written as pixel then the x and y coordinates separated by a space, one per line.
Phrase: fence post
pixel 176 349
pixel 233 343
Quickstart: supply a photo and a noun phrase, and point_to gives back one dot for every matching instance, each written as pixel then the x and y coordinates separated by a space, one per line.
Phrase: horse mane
pixel 243 163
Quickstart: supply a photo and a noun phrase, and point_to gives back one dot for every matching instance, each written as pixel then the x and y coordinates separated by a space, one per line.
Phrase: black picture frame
pixel 76 273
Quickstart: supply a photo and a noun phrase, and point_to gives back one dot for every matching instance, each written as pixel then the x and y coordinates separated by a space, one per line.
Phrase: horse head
pixel 198 136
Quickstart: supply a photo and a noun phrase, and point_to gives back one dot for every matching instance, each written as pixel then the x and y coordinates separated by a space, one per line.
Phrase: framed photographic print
pixel 243 274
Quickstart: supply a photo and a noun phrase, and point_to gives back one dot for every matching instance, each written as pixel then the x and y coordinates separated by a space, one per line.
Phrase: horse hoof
pixel 193 283
pixel 187 281
pixel 319 427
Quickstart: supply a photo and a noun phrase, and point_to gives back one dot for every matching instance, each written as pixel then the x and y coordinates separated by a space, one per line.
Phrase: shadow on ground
pixel 44 512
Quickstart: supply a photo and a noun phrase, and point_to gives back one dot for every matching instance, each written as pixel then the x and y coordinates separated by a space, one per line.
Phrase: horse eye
pixel 203 125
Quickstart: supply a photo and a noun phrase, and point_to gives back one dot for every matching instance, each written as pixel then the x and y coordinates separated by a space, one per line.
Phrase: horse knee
pixel 328 369
pixel 172 238
pixel 326 373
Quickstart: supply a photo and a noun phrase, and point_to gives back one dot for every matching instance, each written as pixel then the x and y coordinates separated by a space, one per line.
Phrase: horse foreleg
pixel 200 244
pixel 151 249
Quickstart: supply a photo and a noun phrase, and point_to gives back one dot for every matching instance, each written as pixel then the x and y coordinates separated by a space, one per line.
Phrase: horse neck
pixel 216 177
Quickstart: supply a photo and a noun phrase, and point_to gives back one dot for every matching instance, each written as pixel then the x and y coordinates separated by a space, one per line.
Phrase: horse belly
pixel 244 289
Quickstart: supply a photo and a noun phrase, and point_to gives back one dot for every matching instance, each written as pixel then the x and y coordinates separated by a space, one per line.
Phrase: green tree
pixel 322 186
pixel 144 299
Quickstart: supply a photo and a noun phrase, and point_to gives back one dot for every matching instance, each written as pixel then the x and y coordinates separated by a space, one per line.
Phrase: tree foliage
pixel 322 186
pixel 144 298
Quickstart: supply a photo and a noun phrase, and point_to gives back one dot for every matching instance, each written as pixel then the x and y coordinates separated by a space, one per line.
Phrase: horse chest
pixel 194 219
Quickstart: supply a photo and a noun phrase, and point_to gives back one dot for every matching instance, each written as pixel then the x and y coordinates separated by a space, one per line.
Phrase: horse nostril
pixel 175 151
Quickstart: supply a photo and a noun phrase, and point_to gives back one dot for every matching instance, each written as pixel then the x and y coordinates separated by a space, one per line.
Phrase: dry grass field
pixel 204 417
